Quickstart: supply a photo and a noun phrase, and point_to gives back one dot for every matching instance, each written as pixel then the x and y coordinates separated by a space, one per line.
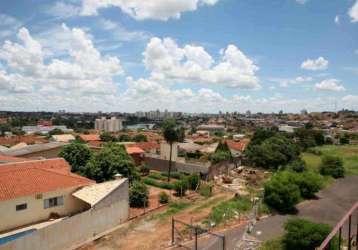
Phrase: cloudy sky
pixel 180 55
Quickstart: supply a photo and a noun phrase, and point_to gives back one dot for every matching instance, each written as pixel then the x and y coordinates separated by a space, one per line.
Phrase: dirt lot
pixel 153 231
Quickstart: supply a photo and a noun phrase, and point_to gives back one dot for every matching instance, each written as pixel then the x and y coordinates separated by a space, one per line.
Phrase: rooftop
pixel 33 148
pixel 90 137
pixel 33 177
pixel 95 193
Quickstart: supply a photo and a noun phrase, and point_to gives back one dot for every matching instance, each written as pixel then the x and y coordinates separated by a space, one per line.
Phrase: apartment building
pixel 111 125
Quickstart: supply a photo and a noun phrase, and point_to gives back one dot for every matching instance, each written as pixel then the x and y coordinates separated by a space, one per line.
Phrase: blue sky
pixel 181 55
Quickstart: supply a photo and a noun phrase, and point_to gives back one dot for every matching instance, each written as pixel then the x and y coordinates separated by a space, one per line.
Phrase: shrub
pixel 205 190
pixel 281 193
pixel 157 176
pixel 163 198
pixel 154 183
pixel 298 166
pixel 181 187
pixel 304 234
pixel 138 194
pixel 309 183
pixel 332 166
pixel 220 156
pixel 193 181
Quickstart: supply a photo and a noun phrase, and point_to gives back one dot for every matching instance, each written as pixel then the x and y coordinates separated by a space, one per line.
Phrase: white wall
pixel 35 212
pixel 78 228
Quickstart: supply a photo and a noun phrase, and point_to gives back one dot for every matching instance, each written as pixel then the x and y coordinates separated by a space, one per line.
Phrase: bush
pixel 193 181
pixel 138 195
pixel 309 183
pixel 163 198
pixel 220 156
pixel 181 187
pixel 157 176
pixel 304 234
pixel 332 166
pixel 154 183
pixel 298 166
pixel 281 193
pixel 205 190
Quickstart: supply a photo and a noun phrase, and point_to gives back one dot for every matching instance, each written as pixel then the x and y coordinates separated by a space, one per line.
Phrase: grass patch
pixel 349 154
pixel 209 203
pixel 230 209
pixel 274 244
pixel 173 208
pixel 175 175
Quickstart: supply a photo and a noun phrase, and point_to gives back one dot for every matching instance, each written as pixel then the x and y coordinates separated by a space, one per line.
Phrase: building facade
pixel 110 125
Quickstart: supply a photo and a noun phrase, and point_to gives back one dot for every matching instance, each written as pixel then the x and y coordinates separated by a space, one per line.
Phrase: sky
pixel 180 55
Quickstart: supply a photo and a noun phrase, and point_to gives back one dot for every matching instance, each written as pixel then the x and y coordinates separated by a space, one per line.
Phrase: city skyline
pixel 197 56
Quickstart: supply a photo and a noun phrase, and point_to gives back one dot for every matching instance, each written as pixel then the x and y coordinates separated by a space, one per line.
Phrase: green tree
pixel 193 181
pixel 308 182
pixel 274 152
pixel 56 131
pixel 333 166
pixel 106 136
pixel 304 234
pixel 77 155
pixel 138 195
pixel 109 161
pixel 171 136
pixel 140 138
pixel 281 193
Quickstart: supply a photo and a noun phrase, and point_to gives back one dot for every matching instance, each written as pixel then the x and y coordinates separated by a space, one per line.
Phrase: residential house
pixel 34 191
pixel 45 150
pixel 63 138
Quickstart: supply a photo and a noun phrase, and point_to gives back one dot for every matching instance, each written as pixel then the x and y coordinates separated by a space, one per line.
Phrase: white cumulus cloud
pixel 330 85
pixel 145 9
pixel 315 64
pixel 193 64
pixel 353 12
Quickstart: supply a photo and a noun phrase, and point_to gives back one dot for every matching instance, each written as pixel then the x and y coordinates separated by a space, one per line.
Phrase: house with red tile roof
pixel 89 137
pixel 32 191
pixel 237 147
pixel 136 153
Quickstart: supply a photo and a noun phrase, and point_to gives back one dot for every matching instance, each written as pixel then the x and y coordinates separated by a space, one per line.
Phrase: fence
pixel 188 236
pixel 332 242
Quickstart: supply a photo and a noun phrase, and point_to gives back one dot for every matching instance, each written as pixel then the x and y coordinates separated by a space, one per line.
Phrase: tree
pixel 56 131
pixel 193 181
pixel 77 155
pixel 109 161
pixel 220 156
pixel 304 234
pixel 281 193
pixel 274 152
pixel 138 195
pixel 106 136
pixel 170 135
pixel 333 166
pixel 181 134
pixel 140 138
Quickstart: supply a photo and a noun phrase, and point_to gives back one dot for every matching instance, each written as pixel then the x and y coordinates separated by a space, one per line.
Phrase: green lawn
pixel 349 154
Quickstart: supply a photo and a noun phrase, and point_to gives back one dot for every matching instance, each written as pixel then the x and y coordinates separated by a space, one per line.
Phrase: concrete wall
pixel 78 228
pixel 165 151
pixel 35 212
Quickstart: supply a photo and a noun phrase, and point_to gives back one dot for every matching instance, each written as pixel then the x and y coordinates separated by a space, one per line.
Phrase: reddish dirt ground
pixel 149 234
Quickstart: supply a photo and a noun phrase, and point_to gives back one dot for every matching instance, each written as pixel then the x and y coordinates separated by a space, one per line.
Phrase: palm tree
pixel 170 135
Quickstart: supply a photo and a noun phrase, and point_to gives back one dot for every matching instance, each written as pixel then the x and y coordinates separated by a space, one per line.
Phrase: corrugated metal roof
pixel 33 148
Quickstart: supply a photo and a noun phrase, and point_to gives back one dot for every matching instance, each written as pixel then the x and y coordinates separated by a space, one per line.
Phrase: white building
pixel 110 125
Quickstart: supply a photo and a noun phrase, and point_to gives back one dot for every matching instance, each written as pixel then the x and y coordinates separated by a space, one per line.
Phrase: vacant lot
pixel 349 154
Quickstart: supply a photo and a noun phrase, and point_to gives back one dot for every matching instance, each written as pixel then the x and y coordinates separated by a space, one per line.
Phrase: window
pixel 21 207
pixel 53 202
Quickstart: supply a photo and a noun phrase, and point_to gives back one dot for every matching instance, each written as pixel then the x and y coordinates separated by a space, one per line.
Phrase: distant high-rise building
pixel 110 125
